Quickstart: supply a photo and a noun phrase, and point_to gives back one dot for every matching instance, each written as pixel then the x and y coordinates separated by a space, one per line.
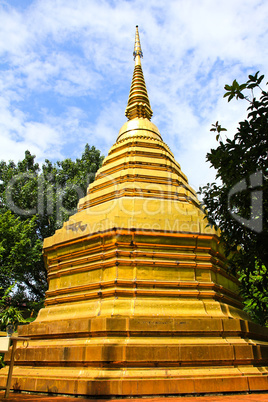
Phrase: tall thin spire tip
pixel 137 46
pixel 138 101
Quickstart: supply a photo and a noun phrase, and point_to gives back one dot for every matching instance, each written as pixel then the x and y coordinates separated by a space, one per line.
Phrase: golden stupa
pixel 139 300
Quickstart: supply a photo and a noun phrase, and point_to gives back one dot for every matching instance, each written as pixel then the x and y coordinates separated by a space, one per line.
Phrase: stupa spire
pixel 137 47
pixel 138 101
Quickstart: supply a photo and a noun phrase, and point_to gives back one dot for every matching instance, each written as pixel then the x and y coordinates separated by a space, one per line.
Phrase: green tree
pixel 9 315
pixel 34 202
pixel 239 205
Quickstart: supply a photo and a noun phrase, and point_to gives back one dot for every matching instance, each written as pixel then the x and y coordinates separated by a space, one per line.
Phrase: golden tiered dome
pixel 140 165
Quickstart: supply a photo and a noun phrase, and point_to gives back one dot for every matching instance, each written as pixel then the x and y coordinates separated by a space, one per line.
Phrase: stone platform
pixel 258 397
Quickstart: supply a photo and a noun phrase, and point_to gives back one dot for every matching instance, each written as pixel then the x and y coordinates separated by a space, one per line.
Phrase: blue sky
pixel 66 68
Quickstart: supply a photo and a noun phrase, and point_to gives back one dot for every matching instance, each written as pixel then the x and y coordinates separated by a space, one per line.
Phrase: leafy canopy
pixel 34 202
pixel 239 205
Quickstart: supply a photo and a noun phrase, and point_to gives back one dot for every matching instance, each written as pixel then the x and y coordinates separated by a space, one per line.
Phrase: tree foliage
pixel 9 314
pixel 239 205
pixel 34 202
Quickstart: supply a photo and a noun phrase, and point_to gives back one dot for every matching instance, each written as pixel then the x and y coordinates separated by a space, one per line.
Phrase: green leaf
pixel 241 96
pixel 242 87
pixel 235 85
pixel 260 79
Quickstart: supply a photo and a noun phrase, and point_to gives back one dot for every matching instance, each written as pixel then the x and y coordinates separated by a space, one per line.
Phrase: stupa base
pixel 142 356
pixel 131 382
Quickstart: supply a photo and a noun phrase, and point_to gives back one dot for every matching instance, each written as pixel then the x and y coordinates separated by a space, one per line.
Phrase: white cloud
pixel 67 69
pixel 17 134
pixel 14 33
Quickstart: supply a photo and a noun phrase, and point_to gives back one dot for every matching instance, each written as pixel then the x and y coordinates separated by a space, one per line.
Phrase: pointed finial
pixel 137 47
pixel 138 101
